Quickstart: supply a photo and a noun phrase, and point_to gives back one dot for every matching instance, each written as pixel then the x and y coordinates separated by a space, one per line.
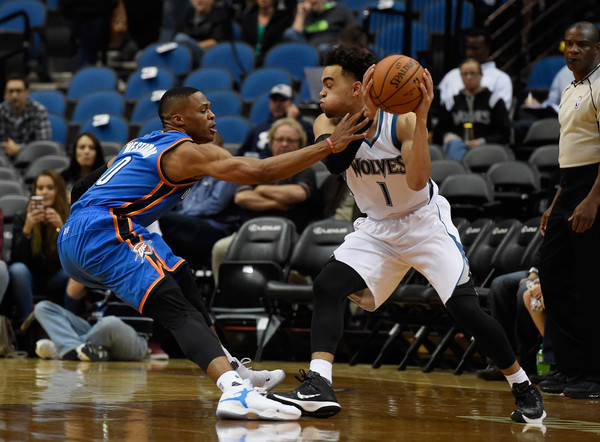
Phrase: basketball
pixel 396 82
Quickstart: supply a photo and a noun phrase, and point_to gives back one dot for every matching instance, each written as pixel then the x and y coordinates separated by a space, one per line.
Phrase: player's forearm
pixel 418 162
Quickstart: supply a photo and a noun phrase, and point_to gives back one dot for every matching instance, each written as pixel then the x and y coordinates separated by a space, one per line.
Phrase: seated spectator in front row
pixel 290 198
pixel 22 120
pixel 86 156
pixel 205 26
pixel 476 117
pixel 35 264
pixel 281 105
pixel 478 46
pixel 319 23
pixel 73 338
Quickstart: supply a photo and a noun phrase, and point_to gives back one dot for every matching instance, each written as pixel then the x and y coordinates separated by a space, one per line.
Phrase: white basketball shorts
pixel 382 251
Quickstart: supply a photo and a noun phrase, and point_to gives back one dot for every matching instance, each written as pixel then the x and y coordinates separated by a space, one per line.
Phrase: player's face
pixel 338 95
pixel 199 121
pixel 581 52
pixel 85 152
pixel 44 186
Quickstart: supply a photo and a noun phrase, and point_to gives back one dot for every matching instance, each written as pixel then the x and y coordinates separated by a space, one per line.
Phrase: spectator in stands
pixel 506 305
pixel 319 23
pixel 532 109
pixel 4 278
pixel 263 25
pixel 477 116
pixel 74 338
pixel 89 21
pixel 281 104
pixel 35 264
pixel 477 46
pixel 86 156
pixel 290 198
pixel 22 120
pixel 207 214
pixel 354 35
pixel 204 27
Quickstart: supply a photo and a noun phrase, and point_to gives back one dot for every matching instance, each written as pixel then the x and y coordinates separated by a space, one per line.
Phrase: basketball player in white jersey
pixel 407 225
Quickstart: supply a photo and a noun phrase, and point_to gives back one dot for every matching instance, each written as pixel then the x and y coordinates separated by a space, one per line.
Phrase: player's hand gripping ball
pixel 396 82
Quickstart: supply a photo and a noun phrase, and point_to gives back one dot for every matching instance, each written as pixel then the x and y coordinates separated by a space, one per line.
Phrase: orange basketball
pixel 396 84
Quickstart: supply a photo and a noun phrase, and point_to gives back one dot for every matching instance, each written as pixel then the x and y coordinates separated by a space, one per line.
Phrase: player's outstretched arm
pixel 194 161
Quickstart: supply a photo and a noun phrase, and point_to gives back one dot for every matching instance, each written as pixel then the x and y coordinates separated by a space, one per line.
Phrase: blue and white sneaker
pixel 242 401
pixel 262 380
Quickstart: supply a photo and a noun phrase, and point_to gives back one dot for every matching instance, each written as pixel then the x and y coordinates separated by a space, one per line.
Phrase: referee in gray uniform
pixel 570 252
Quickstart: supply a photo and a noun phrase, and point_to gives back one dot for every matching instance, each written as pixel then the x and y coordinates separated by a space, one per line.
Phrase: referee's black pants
pixel 569 271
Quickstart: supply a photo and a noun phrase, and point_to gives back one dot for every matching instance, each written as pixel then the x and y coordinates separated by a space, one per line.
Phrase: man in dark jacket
pixel 477 116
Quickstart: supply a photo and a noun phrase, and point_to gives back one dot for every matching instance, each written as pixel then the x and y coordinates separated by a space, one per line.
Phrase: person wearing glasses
pixel 477 116
pixel 290 198
pixel 281 105
pixel 22 120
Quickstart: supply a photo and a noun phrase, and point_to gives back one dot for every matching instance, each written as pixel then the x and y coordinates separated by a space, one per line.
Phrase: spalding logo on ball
pixel 396 82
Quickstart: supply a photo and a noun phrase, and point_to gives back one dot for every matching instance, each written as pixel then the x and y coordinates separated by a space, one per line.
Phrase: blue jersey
pixel 105 243
pixel 135 185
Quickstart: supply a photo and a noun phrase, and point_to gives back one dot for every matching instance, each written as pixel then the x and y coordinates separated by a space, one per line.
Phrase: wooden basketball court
pixel 175 401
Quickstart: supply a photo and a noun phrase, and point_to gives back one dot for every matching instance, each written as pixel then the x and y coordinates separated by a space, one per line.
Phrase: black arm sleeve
pixel 337 163
pixel 82 185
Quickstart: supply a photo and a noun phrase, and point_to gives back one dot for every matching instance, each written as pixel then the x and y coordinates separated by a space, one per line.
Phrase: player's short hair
pixel 353 60
pixel 170 98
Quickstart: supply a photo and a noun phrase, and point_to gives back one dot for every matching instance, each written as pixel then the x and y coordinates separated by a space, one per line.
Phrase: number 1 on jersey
pixel 386 193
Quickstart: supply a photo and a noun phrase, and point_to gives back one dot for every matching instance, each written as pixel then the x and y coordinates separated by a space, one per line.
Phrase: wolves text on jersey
pixel 383 166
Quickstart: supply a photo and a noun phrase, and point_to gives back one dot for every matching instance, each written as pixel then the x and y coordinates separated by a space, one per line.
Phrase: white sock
pixel 227 379
pixel 517 378
pixel 323 367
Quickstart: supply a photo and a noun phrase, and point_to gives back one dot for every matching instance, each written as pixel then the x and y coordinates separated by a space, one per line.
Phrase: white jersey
pixel 403 229
pixel 377 175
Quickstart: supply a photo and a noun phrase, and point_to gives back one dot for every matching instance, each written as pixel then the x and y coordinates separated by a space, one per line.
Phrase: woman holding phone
pixel 35 265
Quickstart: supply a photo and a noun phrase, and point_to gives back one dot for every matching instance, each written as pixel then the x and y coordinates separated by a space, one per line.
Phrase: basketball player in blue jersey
pixel 104 242
pixel 407 225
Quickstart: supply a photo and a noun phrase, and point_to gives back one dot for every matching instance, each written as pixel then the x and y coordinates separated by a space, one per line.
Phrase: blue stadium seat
pixel 148 79
pixel 145 107
pixel 36 16
pixel 114 130
pixel 150 125
pixel 224 102
pixel 89 79
pixel 390 39
pixel 98 102
pixel 205 79
pixel 259 112
pixel 292 56
pixel 236 57
pixel 261 80
pixel 54 101
pixel 59 128
pixel 233 128
pixel 170 55
pixel 434 15
pixel 543 72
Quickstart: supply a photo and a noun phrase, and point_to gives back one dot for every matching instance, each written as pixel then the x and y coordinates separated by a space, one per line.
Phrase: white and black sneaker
pixel 241 401
pixel 91 353
pixel 263 380
pixel 530 405
pixel 315 397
